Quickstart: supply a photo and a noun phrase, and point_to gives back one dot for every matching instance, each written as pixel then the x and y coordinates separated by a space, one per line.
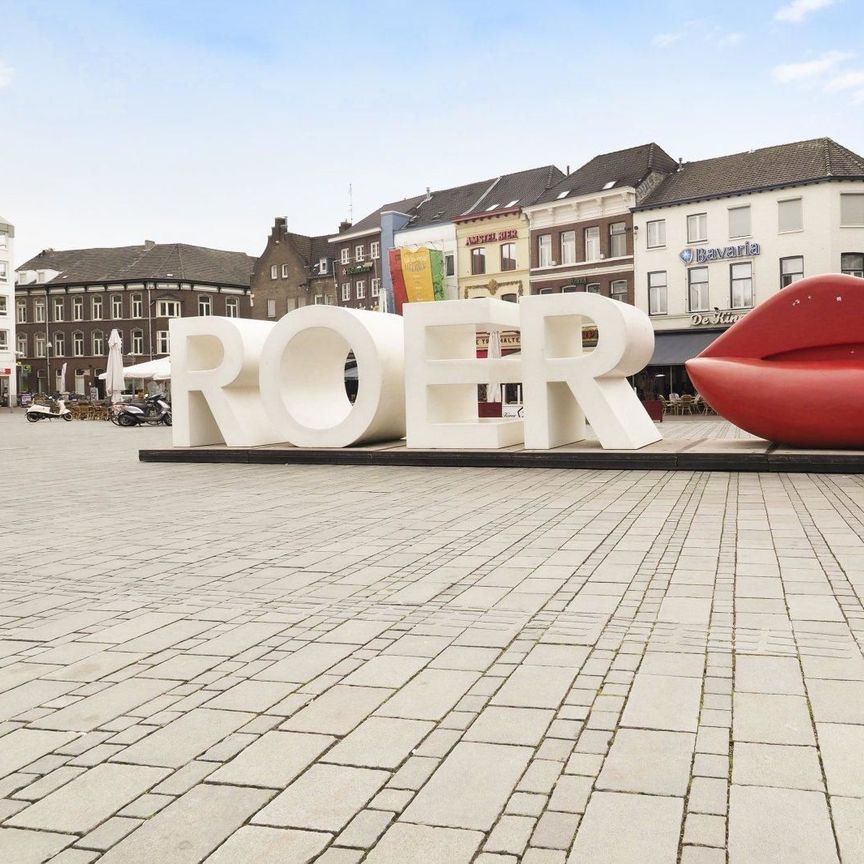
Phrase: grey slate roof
pixel 622 168
pixel 766 168
pixel 373 220
pixel 445 205
pixel 159 261
pixel 516 190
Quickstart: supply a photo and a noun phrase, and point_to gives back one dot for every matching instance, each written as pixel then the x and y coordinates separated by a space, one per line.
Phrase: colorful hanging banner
pixel 417 275
pixel 436 257
pixel 399 296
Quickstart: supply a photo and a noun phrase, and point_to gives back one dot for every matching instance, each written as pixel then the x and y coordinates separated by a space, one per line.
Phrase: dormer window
pixel 322 265
pixel 610 184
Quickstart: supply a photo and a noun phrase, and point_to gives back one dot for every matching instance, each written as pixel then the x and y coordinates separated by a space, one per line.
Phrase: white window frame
pixel 798 274
pixel 344 255
pixel 39 344
pixel 163 341
pixel 319 300
pixel 360 289
pixel 592 243
pixel 4 340
pixel 322 266
pixel 97 307
pixel 78 343
pixel 375 287
pixel 116 306
pixel 659 231
pixel 205 301
pixel 658 302
pixel 852 271
pixel 271 307
pixel 77 308
pixel 614 235
pixel 375 249
pixel 544 250
pixel 59 311
pixel 618 290
pixel 274 271
pixel 39 307
pixel 733 279
pixel 232 307
pixel 359 252
pixel 21 344
pixel 137 306
pixel 136 342
pixel 97 343
pixel 697 228
pixel 346 292
pixel 285 271
pixel 167 303
pixel 21 312
pixel 568 247
pixel 703 303
pixel 59 344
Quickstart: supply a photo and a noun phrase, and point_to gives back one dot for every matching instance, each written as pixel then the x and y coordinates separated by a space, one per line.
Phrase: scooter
pixel 152 412
pixel 54 410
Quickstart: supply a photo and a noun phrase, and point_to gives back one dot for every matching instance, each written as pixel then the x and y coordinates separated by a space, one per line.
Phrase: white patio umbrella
pixel 157 370
pixel 114 371
pixel 493 352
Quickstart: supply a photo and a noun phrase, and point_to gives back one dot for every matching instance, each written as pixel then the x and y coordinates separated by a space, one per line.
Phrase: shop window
pixel 508 256
pixel 592 243
pixel 618 290
pixel 852 263
pixel 346 292
pixel 852 209
pixel 568 247
pixel 791 270
pixel 657 296
pixel 697 228
pixel 544 250
pixel 697 289
pixel 449 265
pixel 656 233
pixel 741 278
pixel 232 307
pixel 618 239
pixel 205 305
pixel 739 222
pixel 478 261
pixel 790 216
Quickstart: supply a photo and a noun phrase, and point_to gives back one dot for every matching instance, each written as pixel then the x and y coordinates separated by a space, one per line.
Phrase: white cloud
pixel 7 73
pixel 661 40
pixel 798 10
pixel 731 39
pixel 809 68
pixel 850 80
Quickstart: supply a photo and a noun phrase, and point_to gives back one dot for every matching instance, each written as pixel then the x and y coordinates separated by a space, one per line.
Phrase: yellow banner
pixel 417 273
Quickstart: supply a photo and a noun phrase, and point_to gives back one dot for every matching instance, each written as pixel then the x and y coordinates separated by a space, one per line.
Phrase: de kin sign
pixel 247 383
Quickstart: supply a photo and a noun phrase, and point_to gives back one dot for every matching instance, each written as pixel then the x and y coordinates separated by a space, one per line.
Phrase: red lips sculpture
pixel 792 370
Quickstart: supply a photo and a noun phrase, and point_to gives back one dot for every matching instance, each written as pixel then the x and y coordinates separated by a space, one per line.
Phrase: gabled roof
pixel 766 168
pixel 623 168
pixel 445 205
pixel 372 221
pixel 513 191
pixel 157 261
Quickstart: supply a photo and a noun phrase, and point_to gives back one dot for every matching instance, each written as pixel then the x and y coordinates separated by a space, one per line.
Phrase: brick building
pixel 68 302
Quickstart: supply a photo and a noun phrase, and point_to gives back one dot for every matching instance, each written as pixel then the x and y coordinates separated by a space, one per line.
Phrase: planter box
pixel 488 409
pixel 654 407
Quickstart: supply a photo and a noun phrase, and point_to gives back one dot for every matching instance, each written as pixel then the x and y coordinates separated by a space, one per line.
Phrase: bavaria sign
pixel 701 255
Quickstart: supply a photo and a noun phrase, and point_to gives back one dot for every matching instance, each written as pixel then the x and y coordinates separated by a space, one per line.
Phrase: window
pixel 592 243
pixel 4 307
pixel 39 345
pixel 376 287
pixel 116 306
pixel 789 215
pixel 568 247
pixel 360 289
pixel 205 305
pixel 59 344
pixel 852 264
pixel 21 311
pixel 137 306
pixel 449 265
pixel 346 292
pixel 741 276
pixel 4 271
pixel 618 239
pixel 77 308
pixel 697 283
pixel 697 228
pixel 510 298
pixel 478 261
pixel 328 300
pixel 284 271
pixel 39 311
pixel 322 266
pixel 271 308
pixel 852 208
pixel 58 308
pixel 344 255
pixel 739 221
pixel 508 256
pixel 163 342
pixel 375 249
pixel 358 252
pixel 567 289
pixel 319 299
pixel 98 340
pixel 40 275
pixel 593 288
pixel 96 308
pixel 77 344
pixel 169 308
pixel 137 342
pixel 618 290
pixel 274 271
pixel 656 233
pixel 232 307
pixel 657 304
pixel 21 345
pixel 4 340
pixel 791 270
pixel 544 250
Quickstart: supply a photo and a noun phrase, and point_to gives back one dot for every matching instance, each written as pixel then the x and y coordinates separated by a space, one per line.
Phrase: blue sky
pixel 201 121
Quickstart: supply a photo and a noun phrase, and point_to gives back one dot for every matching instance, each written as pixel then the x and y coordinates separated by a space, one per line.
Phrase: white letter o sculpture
pixel 302 377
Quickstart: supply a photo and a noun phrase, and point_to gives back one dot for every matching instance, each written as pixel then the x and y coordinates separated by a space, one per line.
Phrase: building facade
pixel 720 236
pixel 293 271
pixel 68 302
pixel 581 229
pixel 9 370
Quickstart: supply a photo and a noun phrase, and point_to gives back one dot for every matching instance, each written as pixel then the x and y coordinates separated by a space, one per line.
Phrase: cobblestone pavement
pixel 240 664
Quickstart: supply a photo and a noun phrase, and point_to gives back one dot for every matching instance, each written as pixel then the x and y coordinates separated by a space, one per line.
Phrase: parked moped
pixel 55 410
pixel 153 411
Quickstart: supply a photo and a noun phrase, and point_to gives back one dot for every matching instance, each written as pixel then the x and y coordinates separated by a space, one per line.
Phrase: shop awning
pixel 672 349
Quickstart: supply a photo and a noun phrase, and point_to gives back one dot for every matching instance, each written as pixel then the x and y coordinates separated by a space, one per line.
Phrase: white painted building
pixel 8 369
pixel 438 236
pixel 721 235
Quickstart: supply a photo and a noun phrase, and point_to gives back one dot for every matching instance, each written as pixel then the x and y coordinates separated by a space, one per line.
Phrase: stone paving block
pixel 131 628
pixel 647 761
pixel 568 656
pixel 430 695
pixel 404 842
pixel 702 829
pixel 663 702
pixel 418 646
pixel 776 765
pixel 253 843
pixel 556 830
pixel 338 710
pixel 708 795
pixel 30 847
pixel 380 742
pixel 325 798
pixel 237 639
pixel 510 835
pixel 463 657
pixel 842 749
pixel 848 816
pixel 306 663
pixel 165 637
pixel 183 667
pixel 109 833
pixel 23 746
pixel 48 783
pixel 17 701
pixel 274 760
pixel 386 671
pixel 75 856
pixel 470 787
pixel 365 828
pixel 771 719
pixel 501 725
pixel 526 689
pixel 96 666
pixel 183 739
pixel 837 701
pixel 787 826
pixel 620 828
pixel 760 674
pixel 571 793
pixel 191 828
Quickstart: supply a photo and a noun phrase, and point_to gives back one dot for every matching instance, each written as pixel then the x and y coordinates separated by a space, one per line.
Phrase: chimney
pixel 568 170
pixel 280 227
pixel 344 225
pixel 680 163
pixel 149 244
pixel 428 195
